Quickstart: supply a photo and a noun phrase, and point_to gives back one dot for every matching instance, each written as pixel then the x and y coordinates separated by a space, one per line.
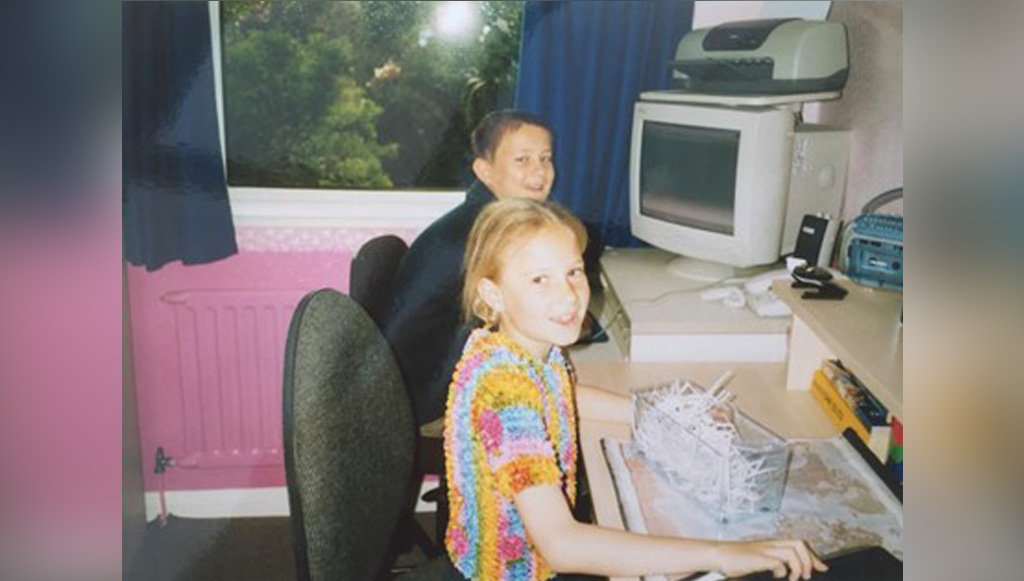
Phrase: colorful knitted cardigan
pixel 510 424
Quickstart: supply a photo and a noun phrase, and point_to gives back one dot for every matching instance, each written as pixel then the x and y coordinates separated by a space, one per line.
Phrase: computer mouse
pixel 817 273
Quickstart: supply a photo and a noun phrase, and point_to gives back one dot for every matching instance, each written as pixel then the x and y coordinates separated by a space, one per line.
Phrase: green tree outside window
pixel 362 95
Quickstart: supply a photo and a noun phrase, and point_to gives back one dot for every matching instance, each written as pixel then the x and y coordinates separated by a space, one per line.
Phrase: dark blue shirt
pixel 423 320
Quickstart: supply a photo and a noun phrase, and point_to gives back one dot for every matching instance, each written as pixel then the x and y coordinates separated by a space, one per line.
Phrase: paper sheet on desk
pixel 832 499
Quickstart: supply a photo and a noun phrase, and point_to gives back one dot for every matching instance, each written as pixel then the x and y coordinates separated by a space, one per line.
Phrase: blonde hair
pixel 498 227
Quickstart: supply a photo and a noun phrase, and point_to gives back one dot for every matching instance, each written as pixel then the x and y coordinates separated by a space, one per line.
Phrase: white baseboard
pixel 223 503
pixel 241 502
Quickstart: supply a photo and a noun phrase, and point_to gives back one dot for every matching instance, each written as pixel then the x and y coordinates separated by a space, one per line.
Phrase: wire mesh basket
pixel 732 466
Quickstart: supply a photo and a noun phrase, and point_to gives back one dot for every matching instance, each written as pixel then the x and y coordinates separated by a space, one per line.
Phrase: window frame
pixel 325 208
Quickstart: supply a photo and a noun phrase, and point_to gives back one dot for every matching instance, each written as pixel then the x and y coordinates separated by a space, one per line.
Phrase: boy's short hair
pixel 499 225
pixel 493 127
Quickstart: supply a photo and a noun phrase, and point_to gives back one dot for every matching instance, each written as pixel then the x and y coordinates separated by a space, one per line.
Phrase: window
pixel 362 95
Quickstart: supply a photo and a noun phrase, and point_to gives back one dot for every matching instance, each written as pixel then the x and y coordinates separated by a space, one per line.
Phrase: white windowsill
pixel 307 208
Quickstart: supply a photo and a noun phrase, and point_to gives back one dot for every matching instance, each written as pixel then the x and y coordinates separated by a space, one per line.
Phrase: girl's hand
pixel 740 558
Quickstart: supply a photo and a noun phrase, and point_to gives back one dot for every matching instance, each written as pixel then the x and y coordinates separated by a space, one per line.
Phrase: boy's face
pixel 541 295
pixel 522 165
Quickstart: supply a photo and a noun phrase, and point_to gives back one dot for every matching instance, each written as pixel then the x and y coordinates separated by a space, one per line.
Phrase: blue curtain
pixel 582 66
pixel 174 197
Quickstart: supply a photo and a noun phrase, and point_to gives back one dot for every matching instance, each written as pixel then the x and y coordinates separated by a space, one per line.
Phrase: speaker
pixel 815 240
pixel 817 177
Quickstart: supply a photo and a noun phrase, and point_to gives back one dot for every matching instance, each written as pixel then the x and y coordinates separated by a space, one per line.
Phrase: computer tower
pixel 817 177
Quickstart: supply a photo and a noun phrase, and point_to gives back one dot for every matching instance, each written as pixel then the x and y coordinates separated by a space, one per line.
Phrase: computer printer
pixel 777 56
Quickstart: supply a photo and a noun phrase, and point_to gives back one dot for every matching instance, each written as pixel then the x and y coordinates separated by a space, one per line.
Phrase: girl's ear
pixel 490 294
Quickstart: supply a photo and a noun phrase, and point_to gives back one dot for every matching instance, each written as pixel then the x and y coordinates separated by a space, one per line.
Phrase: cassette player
pixel 873 250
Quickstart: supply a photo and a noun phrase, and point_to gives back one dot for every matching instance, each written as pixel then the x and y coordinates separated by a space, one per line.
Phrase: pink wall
pixel 209 345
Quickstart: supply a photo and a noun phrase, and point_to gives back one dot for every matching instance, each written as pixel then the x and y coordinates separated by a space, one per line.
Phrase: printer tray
pixel 873 563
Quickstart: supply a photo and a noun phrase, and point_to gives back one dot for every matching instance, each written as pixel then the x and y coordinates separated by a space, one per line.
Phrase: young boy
pixel 512 159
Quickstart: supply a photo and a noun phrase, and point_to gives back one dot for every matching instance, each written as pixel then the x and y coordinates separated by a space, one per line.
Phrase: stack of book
pixel 851 405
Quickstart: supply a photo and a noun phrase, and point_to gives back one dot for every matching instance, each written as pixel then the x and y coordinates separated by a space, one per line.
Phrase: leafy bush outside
pixel 361 95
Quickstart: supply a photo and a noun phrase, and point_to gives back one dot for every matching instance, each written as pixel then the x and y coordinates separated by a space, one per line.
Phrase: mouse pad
pixel 873 563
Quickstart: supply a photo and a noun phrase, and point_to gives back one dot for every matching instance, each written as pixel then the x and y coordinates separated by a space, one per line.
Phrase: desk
pixel 653 315
pixel 862 330
pixel 760 392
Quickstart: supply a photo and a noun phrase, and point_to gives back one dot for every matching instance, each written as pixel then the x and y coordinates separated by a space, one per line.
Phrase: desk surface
pixel 660 303
pixel 760 393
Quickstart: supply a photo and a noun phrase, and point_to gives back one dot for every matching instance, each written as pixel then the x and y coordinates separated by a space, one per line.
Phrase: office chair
pixel 372 273
pixel 349 438
pixel 371 279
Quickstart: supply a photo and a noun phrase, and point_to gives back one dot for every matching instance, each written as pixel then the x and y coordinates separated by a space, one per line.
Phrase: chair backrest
pixel 373 272
pixel 349 439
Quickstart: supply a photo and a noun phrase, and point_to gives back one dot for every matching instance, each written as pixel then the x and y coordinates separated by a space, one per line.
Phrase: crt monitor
pixel 712 184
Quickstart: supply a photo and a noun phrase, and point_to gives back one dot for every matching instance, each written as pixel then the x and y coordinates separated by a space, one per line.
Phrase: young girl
pixel 510 425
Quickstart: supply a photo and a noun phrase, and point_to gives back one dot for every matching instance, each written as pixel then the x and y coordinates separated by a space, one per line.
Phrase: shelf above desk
pixel 792 101
pixel 862 331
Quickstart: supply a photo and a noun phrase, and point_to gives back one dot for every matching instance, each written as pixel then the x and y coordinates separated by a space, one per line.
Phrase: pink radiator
pixel 209 348
pixel 230 350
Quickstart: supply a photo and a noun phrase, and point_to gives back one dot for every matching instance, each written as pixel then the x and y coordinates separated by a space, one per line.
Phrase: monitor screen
pixel 688 175
pixel 709 183
pixel 712 184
